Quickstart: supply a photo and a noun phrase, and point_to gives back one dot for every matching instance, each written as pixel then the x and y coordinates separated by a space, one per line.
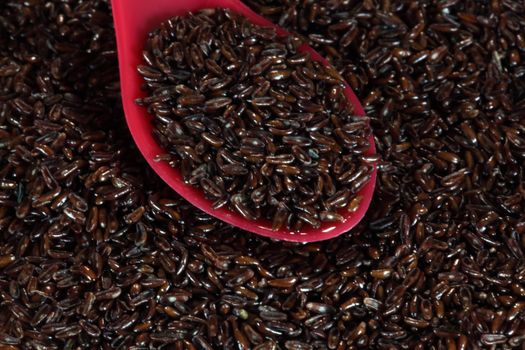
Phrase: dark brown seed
pixel 217 103
pixel 5 260
pixel 191 100
pixel 283 282
pixel 68 332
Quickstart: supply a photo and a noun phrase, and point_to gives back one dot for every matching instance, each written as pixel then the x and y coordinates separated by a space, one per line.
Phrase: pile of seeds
pixel 254 122
pixel 95 251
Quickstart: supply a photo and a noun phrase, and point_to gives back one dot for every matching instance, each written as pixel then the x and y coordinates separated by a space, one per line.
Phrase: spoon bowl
pixel 134 19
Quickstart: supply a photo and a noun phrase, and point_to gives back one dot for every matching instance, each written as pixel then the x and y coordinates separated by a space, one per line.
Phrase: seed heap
pixel 95 252
pixel 253 121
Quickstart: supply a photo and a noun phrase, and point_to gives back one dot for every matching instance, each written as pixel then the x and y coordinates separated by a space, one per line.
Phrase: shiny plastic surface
pixel 134 19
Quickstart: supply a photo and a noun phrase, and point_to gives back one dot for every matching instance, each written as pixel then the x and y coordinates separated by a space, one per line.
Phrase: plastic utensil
pixel 134 19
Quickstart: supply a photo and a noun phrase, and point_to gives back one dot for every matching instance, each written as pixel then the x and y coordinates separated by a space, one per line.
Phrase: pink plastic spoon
pixel 134 19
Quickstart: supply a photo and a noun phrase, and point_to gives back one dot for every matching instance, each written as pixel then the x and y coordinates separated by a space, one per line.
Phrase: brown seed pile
pixel 253 121
pixel 95 252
